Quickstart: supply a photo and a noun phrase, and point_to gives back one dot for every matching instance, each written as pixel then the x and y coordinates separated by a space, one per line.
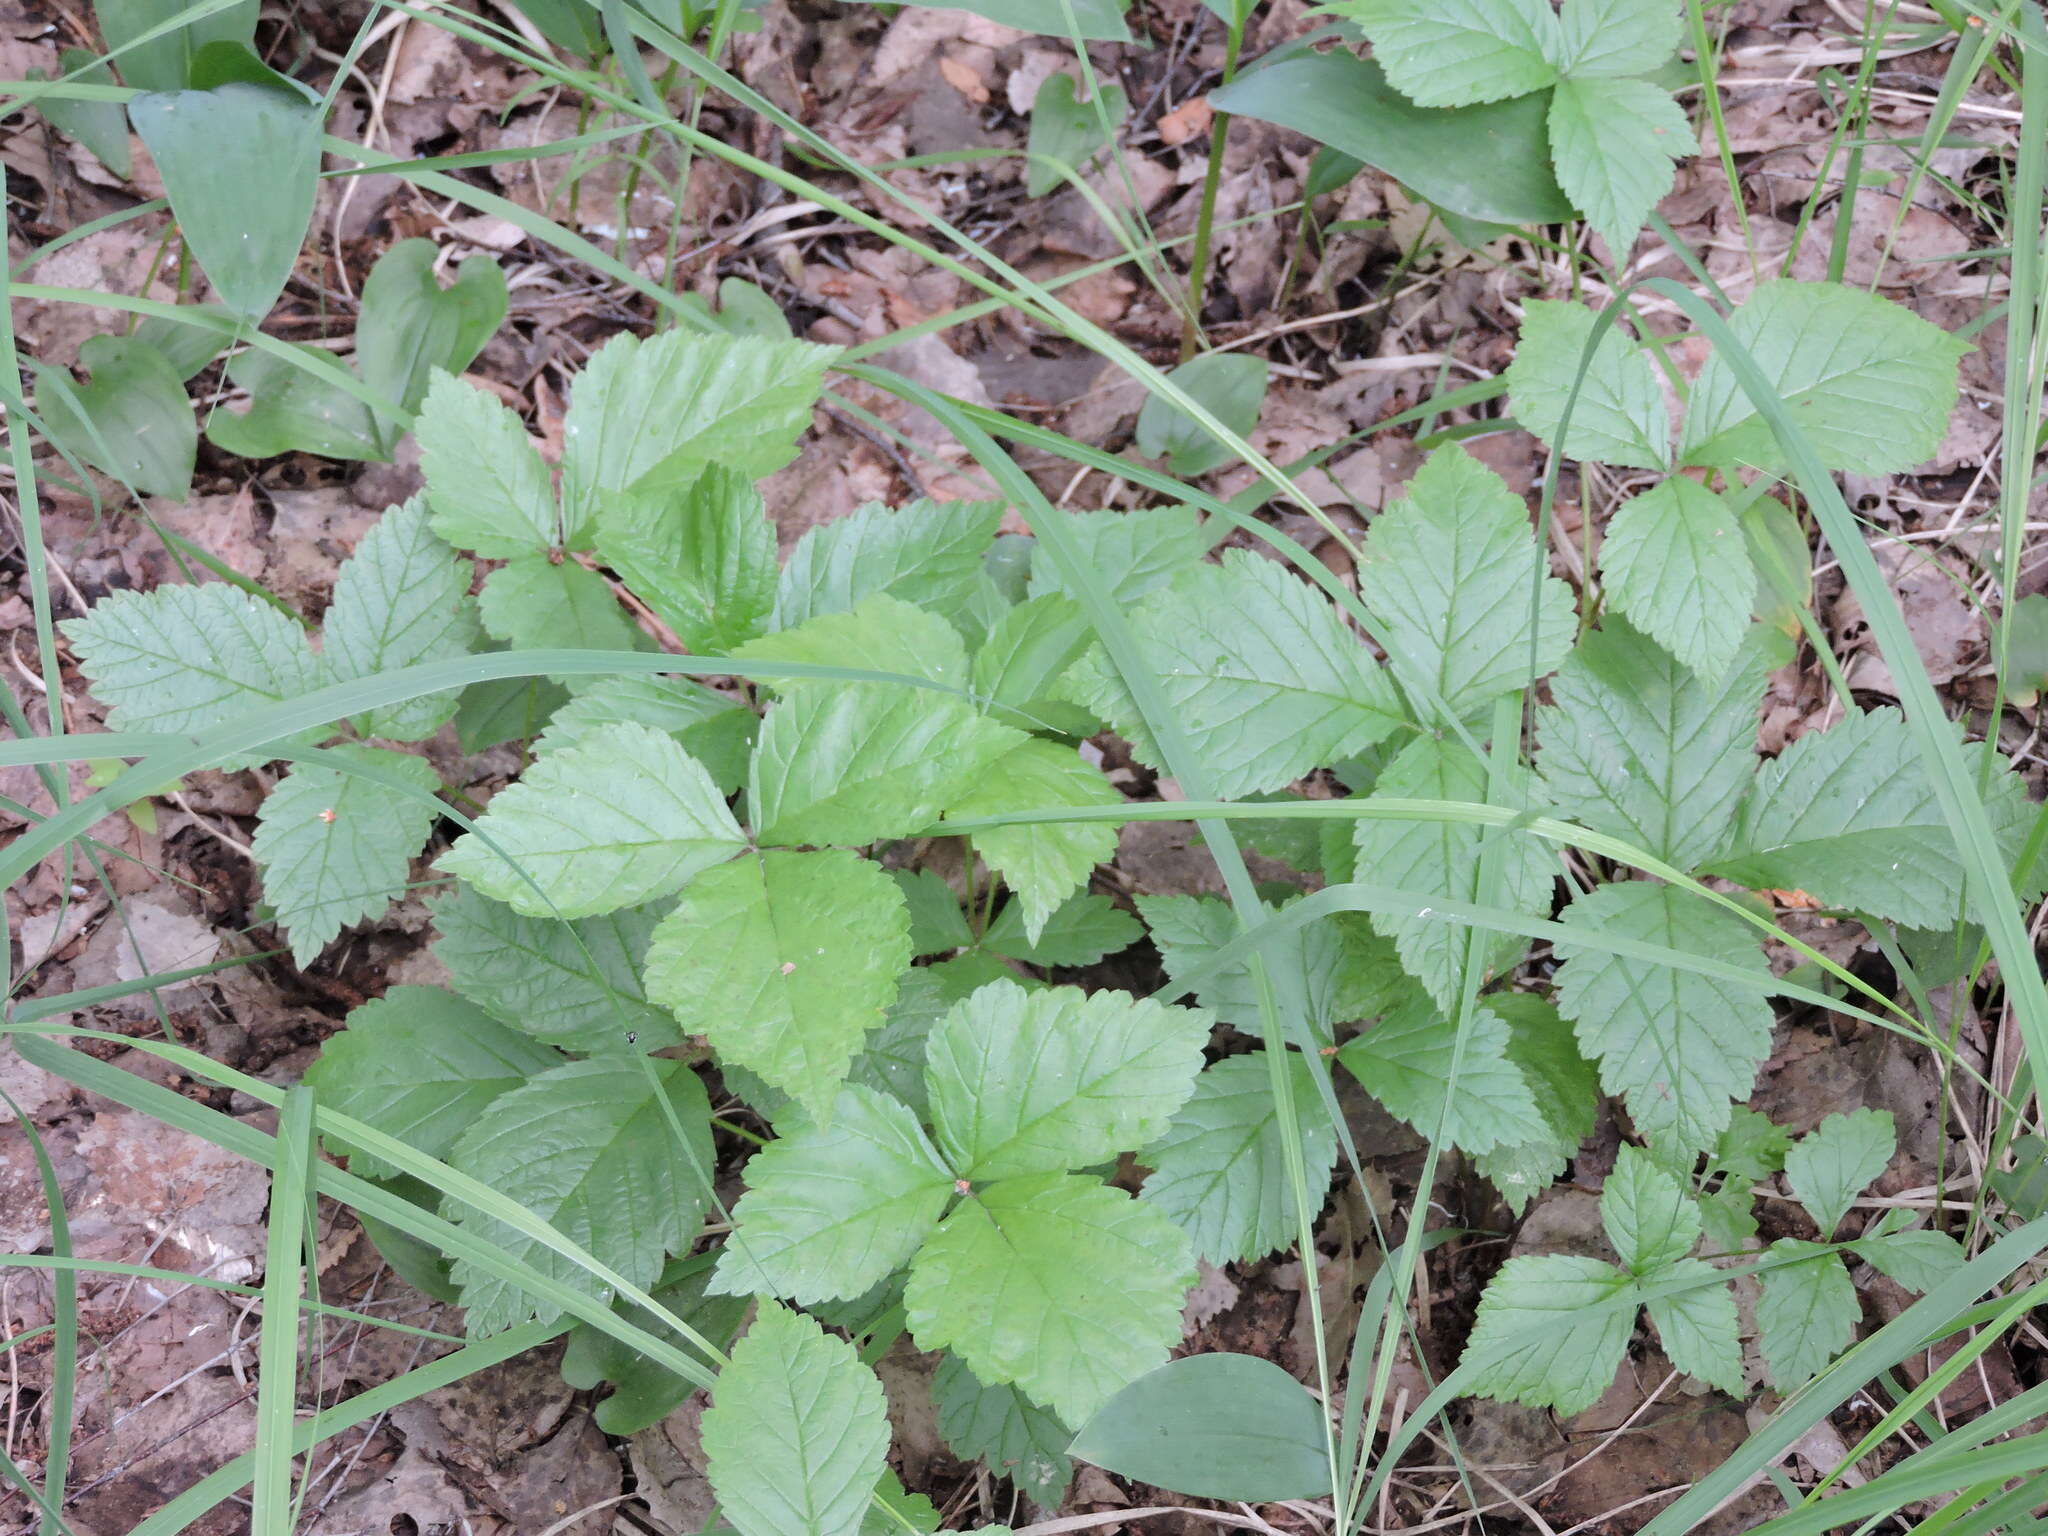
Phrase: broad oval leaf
pixel 130 419
pixel 293 408
pixel 410 325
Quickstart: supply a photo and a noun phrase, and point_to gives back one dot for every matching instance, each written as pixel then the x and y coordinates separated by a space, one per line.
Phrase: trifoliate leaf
pixel 185 659
pixel 1869 382
pixel 1220 1170
pixel 928 553
pixel 1648 1217
pixel 1549 1332
pixel 1057 1284
pixel 1044 1082
pixel 534 603
pixel 335 847
pixel 486 481
pixel 880 633
pixel 576 985
pixel 861 762
pixel 1917 1260
pixel 797 1434
pixel 1563 1084
pixel 1004 1428
pixel 624 816
pixel 1042 865
pixel 1613 143
pixel 420 1064
pixel 1681 1046
pixel 1405 1062
pixel 589 1149
pixel 1017 670
pixel 402 598
pixel 1619 415
pixel 700 554
pixel 1675 562
pixel 1830 1165
pixel 1698 1326
pixel 714 728
pixel 1256 667
pixel 784 961
pixel 1133 552
pixel 830 1213
pixel 1453 575
pixel 1807 1313
pixel 1640 747
pixel 1081 932
pixel 1453 53
pixel 1230 386
pixel 1616 37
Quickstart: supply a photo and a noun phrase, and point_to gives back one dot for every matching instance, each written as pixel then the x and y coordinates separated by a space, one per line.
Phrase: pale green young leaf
pixel 624 816
pixel 184 659
pixel 1230 386
pixel 1537 1338
pixel 420 1064
pixel 1640 747
pixel 336 848
pixel 860 762
pixel 700 554
pixel 1068 132
pixel 575 985
pixel 1699 1327
pixel 1220 1170
pixel 486 481
pixel 536 604
pixel 1647 1215
pixel 1616 37
pixel 1871 383
pixel 1563 1084
pixel 1753 1147
pixel 1133 552
pixel 830 1213
pixel 1257 668
pixel 1807 1313
pixel 1444 858
pixel 1454 53
pixel 1615 144
pixel 1044 1082
pixel 1619 415
pixel 1017 669
pixel 1404 1061
pixel 1004 1428
pixel 131 418
pixel 797 1434
pixel 784 961
pixel 1056 1284
pixel 1679 1045
pixel 714 728
pixel 588 1148
pixel 928 553
pixel 1918 1260
pixel 1448 572
pixel 402 598
pixel 1042 865
pixel 1675 563
pixel 1830 1165
pixel 880 632
pixel 1080 932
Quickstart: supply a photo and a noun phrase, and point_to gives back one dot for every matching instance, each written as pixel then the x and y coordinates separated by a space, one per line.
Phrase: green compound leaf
pixel 1231 386
pixel 1807 1313
pixel 1056 1284
pixel 831 1213
pixel 928 553
pixel 1678 1045
pixel 410 326
pixel 1870 382
pixel 1616 37
pixel 1699 1328
pixel 1640 747
pixel 1004 1428
pixel 535 603
pixel 1046 1082
pixel 1134 552
pixel 486 481
pixel 714 728
pixel 1537 1338
pixel 185 659
pixel 1042 865
pixel 1831 1164
pixel 1405 1062
pixel 784 961
pixel 1455 53
pixel 1619 416
pixel 1443 858
pixel 402 598
pixel 1675 562
pixel 859 762
pixel 700 554
pixel 130 419
pixel 1615 144
pixel 1081 932
pixel 1561 1081
pixel 1257 668
pixel 1220 1170
pixel 293 410
pixel 336 848
pixel 879 632
pixel 797 1434
pixel 1448 571
pixel 1068 132
pixel 420 1064
pixel 619 819
pixel 575 985
pixel 589 1149
pixel 1648 1217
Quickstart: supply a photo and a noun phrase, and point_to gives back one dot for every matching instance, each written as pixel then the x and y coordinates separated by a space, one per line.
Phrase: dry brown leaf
pixel 1186 121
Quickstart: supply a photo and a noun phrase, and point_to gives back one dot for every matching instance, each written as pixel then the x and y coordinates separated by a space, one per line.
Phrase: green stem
pixel 1212 180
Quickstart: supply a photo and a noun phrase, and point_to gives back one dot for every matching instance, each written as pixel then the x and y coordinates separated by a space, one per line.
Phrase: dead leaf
pixel 962 77
pixel 1186 121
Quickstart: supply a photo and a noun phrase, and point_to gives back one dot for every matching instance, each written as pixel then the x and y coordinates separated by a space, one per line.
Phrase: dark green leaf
pixel 1216 1426
pixel 130 419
